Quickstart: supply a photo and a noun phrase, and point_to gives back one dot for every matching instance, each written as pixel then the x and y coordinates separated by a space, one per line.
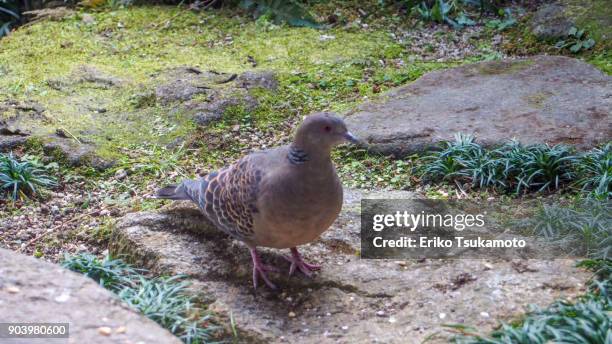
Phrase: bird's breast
pixel 297 213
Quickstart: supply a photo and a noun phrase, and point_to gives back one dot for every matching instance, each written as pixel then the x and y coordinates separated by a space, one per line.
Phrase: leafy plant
pixel 464 159
pixel 463 20
pixel 537 166
pixel 483 170
pixel 448 163
pixel 507 20
pixel 9 16
pixel 281 11
pixel 595 169
pixel 22 178
pixel 164 300
pixel 584 229
pixel 510 167
pixel 441 11
pixel 563 322
pixel 453 12
pixel 576 40
pixel 110 273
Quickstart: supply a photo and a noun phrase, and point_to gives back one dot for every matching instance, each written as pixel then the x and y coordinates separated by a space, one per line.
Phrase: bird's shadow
pixel 225 259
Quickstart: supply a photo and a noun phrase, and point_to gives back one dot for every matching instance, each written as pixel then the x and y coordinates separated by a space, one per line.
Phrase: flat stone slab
pixel 32 290
pixel 350 300
pixel 549 99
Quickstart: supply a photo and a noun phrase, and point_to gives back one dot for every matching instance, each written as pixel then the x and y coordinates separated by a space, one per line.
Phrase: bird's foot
pixel 297 263
pixel 259 270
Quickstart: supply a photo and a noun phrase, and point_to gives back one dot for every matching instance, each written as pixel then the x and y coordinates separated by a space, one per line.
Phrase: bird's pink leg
pixel 259 270
pixel 297 262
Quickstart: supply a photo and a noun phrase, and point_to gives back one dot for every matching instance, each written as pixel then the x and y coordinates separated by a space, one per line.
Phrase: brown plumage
pixel 280 198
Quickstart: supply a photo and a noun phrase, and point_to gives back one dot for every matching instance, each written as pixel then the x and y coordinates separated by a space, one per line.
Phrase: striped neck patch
pixel 297 156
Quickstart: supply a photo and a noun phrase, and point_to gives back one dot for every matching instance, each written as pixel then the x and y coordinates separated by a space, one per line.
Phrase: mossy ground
pixel 134 44
pixel 331 69
pixel 595 16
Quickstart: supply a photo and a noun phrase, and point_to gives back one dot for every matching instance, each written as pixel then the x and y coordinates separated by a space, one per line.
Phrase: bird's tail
pixel 187 190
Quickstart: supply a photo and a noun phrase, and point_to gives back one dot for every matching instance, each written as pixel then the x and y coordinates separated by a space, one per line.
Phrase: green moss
pixel 595 16
pixel 519 40
pixel 602 61
pixel 503 67
pixel 134 45
pixel 35 145
pixel 538 99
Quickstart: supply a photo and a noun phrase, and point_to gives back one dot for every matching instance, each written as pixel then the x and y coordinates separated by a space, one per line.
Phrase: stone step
pixel 32 290
pixel 350 300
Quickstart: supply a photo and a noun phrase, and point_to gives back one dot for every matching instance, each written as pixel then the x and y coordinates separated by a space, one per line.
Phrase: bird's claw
pixel 297 263
pixel 259 270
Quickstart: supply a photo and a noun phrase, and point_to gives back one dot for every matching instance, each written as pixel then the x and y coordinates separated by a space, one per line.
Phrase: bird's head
pixel 323 130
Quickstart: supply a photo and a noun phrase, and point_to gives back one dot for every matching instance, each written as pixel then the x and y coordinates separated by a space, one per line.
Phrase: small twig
pixel 59 226
pixel 228 79
pixel 72 135
pixel 208 5
pixel 461 189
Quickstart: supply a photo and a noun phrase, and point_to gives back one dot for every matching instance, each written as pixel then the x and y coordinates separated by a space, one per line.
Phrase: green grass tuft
pixel 585 228
pixel 595 167
pixel 112 274
pixel 22 178
pixel 518 168
pixel 164 300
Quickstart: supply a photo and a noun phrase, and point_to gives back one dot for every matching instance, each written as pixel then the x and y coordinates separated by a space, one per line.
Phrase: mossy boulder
pixel 553 21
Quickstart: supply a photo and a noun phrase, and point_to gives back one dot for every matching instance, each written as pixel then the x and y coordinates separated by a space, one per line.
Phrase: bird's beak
pixel 351 138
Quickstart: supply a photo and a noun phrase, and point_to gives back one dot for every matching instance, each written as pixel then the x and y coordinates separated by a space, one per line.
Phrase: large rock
pixel 35 291
pixel 350 300
pixel 549 22
pixel 206 95
pixel 19 122
pixel 548 99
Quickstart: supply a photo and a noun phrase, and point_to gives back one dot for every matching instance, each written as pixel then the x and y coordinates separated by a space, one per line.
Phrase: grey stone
pixel 10 142
pixel 121 174
pixel 205 118
pixel 183 83
pixel 93 75
pixel 342 302
pixel 550 22
pixel 549 99
pixel 76 154
pixel 265 80
pixel 32 290
pixel 178 91
pixel 85 74
pixel 208 112
pixel 220 91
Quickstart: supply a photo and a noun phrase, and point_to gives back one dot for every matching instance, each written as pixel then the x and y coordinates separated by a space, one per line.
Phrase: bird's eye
pixel 327 128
